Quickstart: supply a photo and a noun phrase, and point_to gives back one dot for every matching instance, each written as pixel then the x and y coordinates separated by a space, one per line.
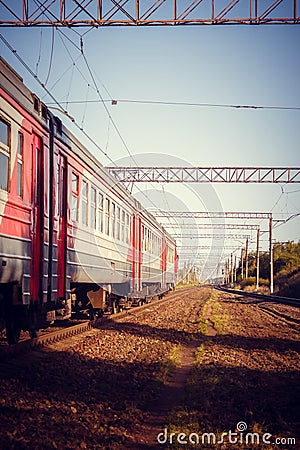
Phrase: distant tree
pixel 286 257
pixel 286 268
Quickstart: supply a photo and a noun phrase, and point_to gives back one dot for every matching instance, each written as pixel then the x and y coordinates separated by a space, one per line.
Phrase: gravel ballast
pixel 98 390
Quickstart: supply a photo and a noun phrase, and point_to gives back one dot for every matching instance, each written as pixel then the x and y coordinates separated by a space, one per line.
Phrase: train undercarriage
pixel 88 301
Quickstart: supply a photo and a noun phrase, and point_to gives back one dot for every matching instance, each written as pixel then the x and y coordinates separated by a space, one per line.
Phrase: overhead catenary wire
pixel 108 113
pixel 157 102
pixel 284 221
pixel 40 52
pixel 56 102
pixel 196 104
pixel 59 106
pixel 101 98
pixel 51 57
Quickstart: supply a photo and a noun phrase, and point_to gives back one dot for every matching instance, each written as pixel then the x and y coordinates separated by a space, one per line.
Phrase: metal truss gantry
pixel 212 214
pixel 209 247
pixel 232 215
pixel 210 226
pixel 97 13
pixel 210 236
pixel 206 174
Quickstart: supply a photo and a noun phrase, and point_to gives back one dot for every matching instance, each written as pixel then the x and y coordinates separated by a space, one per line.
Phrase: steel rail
pixel 46 339
pixel 52 337
pixel 262 297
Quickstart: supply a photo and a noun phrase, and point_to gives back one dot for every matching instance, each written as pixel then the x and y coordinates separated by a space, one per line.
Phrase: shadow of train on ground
pixel 67 400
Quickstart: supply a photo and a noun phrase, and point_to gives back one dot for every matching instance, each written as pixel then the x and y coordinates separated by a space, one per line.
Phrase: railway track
pixel 140 357
pixel 52 337
pixel 272 306
pixel 262 297
pixel 43 340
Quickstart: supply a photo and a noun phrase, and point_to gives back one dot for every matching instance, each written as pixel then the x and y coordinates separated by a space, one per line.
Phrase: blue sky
pixel 238 65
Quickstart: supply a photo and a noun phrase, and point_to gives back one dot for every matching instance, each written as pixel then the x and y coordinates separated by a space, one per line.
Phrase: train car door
pixel 133 253
pixel 139 253
pixel 37 243
pixel 61 196
pixel 164 254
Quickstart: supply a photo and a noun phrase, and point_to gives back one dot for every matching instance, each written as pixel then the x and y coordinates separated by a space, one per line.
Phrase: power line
pixel 65 112
pixel 56 102
pixel 284 221
pixel 205 105
pixel 105 107
pixel 51 58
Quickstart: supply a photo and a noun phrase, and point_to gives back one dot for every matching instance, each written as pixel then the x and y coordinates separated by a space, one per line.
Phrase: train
pixel 73 240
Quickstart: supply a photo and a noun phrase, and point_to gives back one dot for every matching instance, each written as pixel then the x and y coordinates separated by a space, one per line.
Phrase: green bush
pixel 251 281
pixel 289 286
pixel 264 282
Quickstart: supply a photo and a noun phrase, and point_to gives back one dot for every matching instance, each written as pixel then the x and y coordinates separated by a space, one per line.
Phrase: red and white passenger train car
pixel 72 238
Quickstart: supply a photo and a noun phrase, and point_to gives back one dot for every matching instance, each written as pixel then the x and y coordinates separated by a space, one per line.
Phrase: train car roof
pixel 12 83
pixel 83 153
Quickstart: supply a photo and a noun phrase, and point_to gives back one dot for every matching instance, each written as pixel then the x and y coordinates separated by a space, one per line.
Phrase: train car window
pixel 154 244
pixel 75 184
pixel 60 200
pixel 58 124
pixel 171 254
pixel 158 246
pixel 63 192
pixel 4 154
pixel 107 216
pixel 127 228
pixel 38 185
pixel 118 224
pixel 57 193
pixel 100 212
pixel 93 207
pixel 149 241
pixel 20 164
pixel 145 242
pixel 36 104
pixel 113 219
pixel 145 239
pixel 84 203
pixel 44 112
pixel 122 226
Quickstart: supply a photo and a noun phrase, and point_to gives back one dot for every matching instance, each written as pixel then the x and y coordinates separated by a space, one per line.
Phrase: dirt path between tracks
pixel 173 391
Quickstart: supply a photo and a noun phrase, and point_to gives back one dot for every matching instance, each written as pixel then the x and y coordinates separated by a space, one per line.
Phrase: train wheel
pixel 114 307
pixel 33 334
pixel 13 330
